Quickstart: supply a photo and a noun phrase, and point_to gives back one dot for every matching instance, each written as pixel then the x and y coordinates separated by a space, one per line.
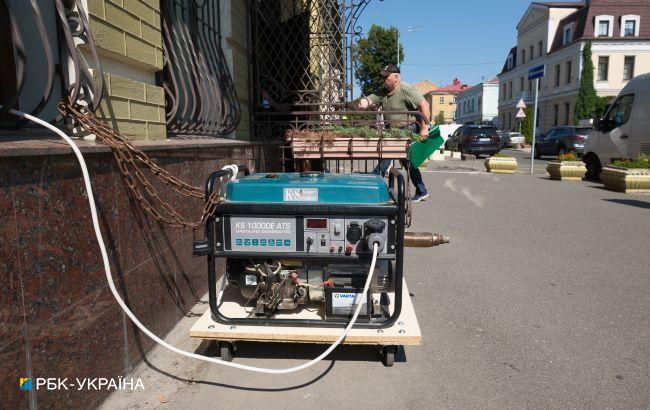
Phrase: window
pixel 628 68
pixel 630 25
pixel 523 56
pixel 504 91
pixel 555 114
pixel 557 75
pixel 539 49
pixel 603 68
pixel 510 89
pixel 567 111
pixel 619 114
pixel 566 36
pixel 604 26
pixel 568 72
pixel 442 100
pixel 531 52
pixel 530 86
pixel 441 114
pixel 521 84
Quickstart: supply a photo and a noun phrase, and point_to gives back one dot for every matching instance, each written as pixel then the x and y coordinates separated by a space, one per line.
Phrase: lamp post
pixel 409 29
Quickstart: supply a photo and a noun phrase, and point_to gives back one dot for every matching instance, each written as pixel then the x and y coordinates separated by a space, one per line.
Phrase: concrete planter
pixel 626 179
pixel 566 170
pixel 501 165
pixel 308 147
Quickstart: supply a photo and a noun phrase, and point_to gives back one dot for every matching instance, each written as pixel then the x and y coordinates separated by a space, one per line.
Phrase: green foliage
pixel 374 53
pixel 643 161
pixel 501 155
pixel 527 125
pixel 601 106
pixel 440 118
pixel 587 98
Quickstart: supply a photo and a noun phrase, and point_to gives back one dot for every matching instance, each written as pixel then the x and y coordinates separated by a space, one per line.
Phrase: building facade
pixel 554 34
pixel 479 104
pixel 443 100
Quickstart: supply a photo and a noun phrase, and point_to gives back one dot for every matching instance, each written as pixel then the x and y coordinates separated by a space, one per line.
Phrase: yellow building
pixel 443 100
pixel 554 34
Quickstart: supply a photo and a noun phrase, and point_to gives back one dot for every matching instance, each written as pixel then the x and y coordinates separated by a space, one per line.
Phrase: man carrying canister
pixel 398 96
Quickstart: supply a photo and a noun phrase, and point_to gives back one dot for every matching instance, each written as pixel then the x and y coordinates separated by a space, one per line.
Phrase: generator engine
pixel 296 241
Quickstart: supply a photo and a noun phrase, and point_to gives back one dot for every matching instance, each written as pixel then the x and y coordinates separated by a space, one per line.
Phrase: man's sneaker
pixel 420 197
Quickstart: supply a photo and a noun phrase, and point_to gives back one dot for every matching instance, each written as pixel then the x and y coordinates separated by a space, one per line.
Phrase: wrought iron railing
pixel 200 92
pixel 57 66
pixel 302 59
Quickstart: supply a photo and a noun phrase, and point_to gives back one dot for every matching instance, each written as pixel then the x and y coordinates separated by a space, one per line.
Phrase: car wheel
pixel 561 151
pixel 538 153
pixel 593 167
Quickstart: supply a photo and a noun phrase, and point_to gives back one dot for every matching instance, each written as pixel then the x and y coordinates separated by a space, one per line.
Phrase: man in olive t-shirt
pixel 397 96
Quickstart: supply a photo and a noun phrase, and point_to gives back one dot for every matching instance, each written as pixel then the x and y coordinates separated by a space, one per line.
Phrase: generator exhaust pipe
pixel 424 239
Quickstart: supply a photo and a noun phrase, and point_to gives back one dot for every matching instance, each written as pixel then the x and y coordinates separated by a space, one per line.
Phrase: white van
pixel 624 130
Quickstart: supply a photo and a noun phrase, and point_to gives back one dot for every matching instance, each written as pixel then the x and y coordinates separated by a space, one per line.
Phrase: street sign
pixel 520 114
pixel 536 72
pixel 521 104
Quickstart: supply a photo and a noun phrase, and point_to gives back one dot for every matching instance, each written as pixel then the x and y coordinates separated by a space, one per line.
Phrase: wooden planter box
pixel 626 179
pixel 501 165
pixel 348 147
pixel 566 170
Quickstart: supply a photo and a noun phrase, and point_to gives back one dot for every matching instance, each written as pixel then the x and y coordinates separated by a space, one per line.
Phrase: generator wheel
pixel 388 353
pixel 227 351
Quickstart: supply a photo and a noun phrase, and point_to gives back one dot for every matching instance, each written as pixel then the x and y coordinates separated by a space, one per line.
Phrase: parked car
pixel 560 140
pixel 514 138
pixel 623 130
pixel 475 139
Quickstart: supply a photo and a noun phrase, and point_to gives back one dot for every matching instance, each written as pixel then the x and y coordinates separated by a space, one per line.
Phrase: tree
pixel 587 98
pixel 527 125
pixel 440 118
pixel 374 53
pixel 601 106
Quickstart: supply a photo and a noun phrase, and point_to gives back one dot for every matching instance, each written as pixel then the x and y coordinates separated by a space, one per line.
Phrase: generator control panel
pixel 308 235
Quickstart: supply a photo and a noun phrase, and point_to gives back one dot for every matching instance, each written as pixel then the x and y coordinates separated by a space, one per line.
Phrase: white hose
pixel 120 301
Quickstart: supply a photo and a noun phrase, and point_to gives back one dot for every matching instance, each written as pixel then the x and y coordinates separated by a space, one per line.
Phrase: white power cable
pixel 125 308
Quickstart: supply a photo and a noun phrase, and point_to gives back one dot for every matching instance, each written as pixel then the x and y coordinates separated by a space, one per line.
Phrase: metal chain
pixel 130 161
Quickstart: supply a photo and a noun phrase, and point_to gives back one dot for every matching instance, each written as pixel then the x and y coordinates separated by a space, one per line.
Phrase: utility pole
pixel 535 73
pixel 409 29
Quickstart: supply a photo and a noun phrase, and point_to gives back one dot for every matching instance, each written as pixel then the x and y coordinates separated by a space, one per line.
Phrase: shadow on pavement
pixel 630 202
pixel 302 351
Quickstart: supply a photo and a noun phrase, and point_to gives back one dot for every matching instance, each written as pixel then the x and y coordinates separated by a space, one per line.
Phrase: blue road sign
pixel 536 72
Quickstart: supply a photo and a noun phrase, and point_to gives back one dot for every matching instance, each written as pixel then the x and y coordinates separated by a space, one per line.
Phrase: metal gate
pixel 302 61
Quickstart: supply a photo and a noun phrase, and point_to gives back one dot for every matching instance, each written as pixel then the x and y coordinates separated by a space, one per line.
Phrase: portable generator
pixel 305 240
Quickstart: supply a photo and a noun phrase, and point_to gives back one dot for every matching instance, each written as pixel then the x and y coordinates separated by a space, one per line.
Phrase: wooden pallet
pixel 405 331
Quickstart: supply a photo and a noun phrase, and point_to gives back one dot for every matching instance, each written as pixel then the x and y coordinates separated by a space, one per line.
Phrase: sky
pixel 471 38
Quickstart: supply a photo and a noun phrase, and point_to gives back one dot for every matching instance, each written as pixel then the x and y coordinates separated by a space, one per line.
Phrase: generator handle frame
pixel 398 195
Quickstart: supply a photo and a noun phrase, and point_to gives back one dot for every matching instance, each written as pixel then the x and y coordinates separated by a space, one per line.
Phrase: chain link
pixel 130 162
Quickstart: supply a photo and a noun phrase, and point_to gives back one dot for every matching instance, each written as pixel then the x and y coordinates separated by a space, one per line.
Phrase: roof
pixel 512 51
pixel 425 86
pixel 453 88
pixel 583 20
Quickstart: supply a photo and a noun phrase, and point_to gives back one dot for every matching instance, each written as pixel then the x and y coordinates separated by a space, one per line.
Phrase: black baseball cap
pixel 389 69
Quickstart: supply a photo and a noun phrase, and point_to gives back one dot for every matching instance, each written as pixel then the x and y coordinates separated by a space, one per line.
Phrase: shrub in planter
pixel 566 168
pixel 501 164
pixel 627 175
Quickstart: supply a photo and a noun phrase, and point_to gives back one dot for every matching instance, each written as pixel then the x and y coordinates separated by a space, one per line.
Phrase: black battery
pixel 340 304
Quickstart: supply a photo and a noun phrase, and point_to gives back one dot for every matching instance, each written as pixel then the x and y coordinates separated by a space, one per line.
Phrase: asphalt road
pixel 541 300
